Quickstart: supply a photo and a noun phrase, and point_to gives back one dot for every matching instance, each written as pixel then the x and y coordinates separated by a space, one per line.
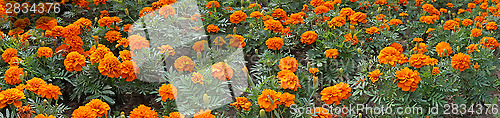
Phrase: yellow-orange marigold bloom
pixel 175 115
pixel 267 98
pixel 112 36
pixel 357 17
pixel 96 2
pixel 374 75
pixel 100 107
pixel 422 48
pixel 460 11
pixel 441 47
pixel 403 14
pixel 418 39
pixel 334 94
pixel 11 96
pixel 337 21
pixel 254 5
pixel 435 70
pixel 212 28
pixel 34 84
pixel 472 47
pixel 428 19
pixel 8 54
pixel 74 61
pixel 44 51
pixel 346 12
pixel 14 61
pixel 22 23
pixel 219 41
pixel 467 22
pixel 389 55
pixel 15 31
pixel 372 30
pixel 274 43
pixel 443 10
pixel 320 112
pixel 256 14
pixel 110 66
pixel 475 32
pixel 273 25
pixel 490 42
pixel 199 45
pixel 167 91
pixel 44 116
pixel 395 22
pixel 353 39
pixel 166 48
pixel 418 60
pixel 137 42
pixel 321 9
pixel 308 37
pixel 329 4
pixel 313 70
pixel 144 11
pixel 286 99
pixel 184 63
pixel 98 54
pixel 431 61
pixel 13 75
pixel 279 13
pixel 49 91
pixel 316 3
pixel 204 114
pixel 380 2
pixel 214 4
pixel 45 23
pixel 451 25
pixel 143 112
pixel 197 78
pixel 460 61
pixel 128 70
pixel 476 66
pixel 331 53
pixel 491 26
pixel 288 80
pixel 408 79
pixel 238 16
pixel 242 103
pixel 84 112
pixel 288 63
pixel 397 46
pixel 236 41
pixel 222 71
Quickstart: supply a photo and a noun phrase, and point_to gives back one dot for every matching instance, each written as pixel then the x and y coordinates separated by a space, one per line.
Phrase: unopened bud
pixel 360 115
pixel 308 64
pixel 122 115
pixel 251 25
pixel 206 98
pixel 256 51
pixel 45 101
pixel 262 113
pixel 126 11
pixel 341 70
pixel 352 27
pixel 359 50
pixel 315 82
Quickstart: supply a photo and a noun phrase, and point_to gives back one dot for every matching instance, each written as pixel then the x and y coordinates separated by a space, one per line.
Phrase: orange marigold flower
pixel 100 107
pixel 397 46
pixel 104 13
pixel 145 10
pixel 337 21
pixel 308 37
pixel 380 2
pixel 197 78
pixel 129 70
pixel 112 36
pixel 83 22
pixel 491 26
pixel 403 14
pixel 98 54
pixel 443 10
pixel 96 2
pixel 45 23
pixel 267 98
pixel 44 116
pixel 472 47
pixel 329 4
pixel 273 25
pixel 49 91
pixel 395 22
pixel 389 55
pixel 137 42
pixel 418 60
pixel 238 16
pixel 122 42
pixel 109 66
pixel 214 4
pixel 450 5
pixel 288 63
pixel 199 45
pixel 279 13
pixel 460 11
pixel 316 3
pixel 483 5
pixel 14 61
pixel 256 14
pixel 84 112
pixel 8 54
pixel 331 53
pixel 372 30
pixel 422 48
pixel 418 39
pixel 428 19
pixel 346 12
pixel 166 48
pixel 286 99
pixel 254 5
pixel 351 38
pixel 34 84
pixel 471 5
pixel 127 27
pixel 44 51
pixel 143 112
pixel 441 47
pixel 476 66
pixel 467 22
pixel 320 112
pixel 408 79
pixel 274 43
pixel 435 70
pixel 313 70
pixel 219 41
pixel 460 61
pixel 236 41
pixel 357 17
pixel 222 71
pixel 374 75
pixel 175 115
pixel 22 23
pixel 450 25
pixel 167 91
pixel 184 63
pixel 11 96
pixel 334 94
pixel 475 32
pixel 321 9
pixel 490 42
pixel 242 103
pixel 204 114
pixel 13 75
pixel 212 28
pixel 288 80
pixel 15 31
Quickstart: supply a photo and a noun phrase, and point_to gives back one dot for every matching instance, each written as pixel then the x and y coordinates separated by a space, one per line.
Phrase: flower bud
pixel 341 70
pixel 359 50
pixel 126 11
pixel 251 25
pixel 308 64
pixel 360 115
pixel 352 27
pixel 315 82
pixel 262 113
pixel 45 101
pixel 122 115
pixel 256 51
pixel 206 98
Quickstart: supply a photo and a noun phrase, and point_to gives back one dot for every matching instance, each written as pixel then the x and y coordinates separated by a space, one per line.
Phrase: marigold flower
pixel 321 9
pixel 313 70
pixel 408 79
pixel 418 60
pixel 288 63
pixel 296 18
pixel 472 47
pixel 489 42
pixel 372 30
pixel 357 17
pixel 84 112
pixel 475 32
pixel 71 30
pixel 96 2
pixel 471 5
pixel 374 75
pixel 279 13
pixel 308 37
pixel 104 13
pixel 380 2
pixel 199 45
pixel 395 22
pixel 44 51
pixel 22 23
pixel 286 31
pixel 491 26
pixel 175 115
pixel 184 63
pixel 286 99
pixel 256 14
pixel 441 46
pixel 435 70
pixel 13 75
pixel 267 98
pixel 460 61
pixel 351 38
pixel 422 48
pixel 467 22
pixel 254 5
pixel 460 11
pixel 11 96
pixel 44 116
pixel 397 46
pixel 8 54
pixel 329 4
pixel 15 31
pixel 214 4
pixel 98 54
pixel 129 70
pixel 222 71
pixel 143 112
pixel 204 114
pixel 144 11
pixel 346 12
pixel 238 16
pixel 337 21
pixel 45 23
pixel 428 19
pixel 403 14
pixel 219 41
pixel 167 91
pixel 320 112
pixel 127 28
pixel 236 41
pixel 476 66
pixel 34 84
pixel 112 36
pixel 242 103
pixel 212 28
pixel 274 43
pixel 332 53
pixel 109 66
pixel 14 61
pixel 389 55
pixel 418 39
pixel 273 25
pixel 197 78
pixel 334 94
pixel 450 25
pixel 137 42
pixel 443 10
pixel 431 61
pixel 167 48
pixel 288 80
pixel 49 91
pixel 100 107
